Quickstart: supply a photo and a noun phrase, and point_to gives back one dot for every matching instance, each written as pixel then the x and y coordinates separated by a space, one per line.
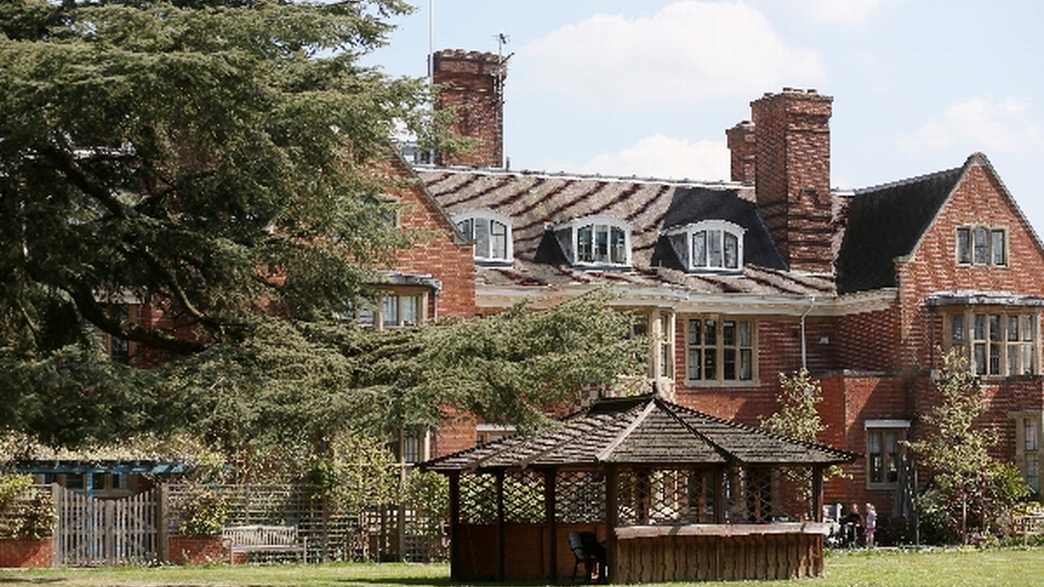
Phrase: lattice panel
pixel 524 497
pixel 478 499
pixel 580 497
pixel 755 496
pixel 665 497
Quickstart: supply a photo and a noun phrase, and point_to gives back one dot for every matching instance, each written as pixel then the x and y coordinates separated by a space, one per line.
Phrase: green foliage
pixel 202 511
pixel 968 487
pixel 24 514
pixel 361 473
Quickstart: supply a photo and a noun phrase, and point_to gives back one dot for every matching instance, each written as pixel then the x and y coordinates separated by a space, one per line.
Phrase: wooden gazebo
pixel 672 493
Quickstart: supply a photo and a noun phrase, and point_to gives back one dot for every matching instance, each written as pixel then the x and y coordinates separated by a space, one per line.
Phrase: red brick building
pixel 740 281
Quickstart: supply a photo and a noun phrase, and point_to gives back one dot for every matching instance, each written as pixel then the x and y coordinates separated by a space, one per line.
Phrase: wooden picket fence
pixel 92 531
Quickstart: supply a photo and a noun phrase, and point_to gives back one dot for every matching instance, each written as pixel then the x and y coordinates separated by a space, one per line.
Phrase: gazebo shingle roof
pixel 639 430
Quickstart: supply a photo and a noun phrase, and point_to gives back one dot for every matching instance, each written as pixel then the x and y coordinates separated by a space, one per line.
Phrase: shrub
pixel 202 512
pixel 24 514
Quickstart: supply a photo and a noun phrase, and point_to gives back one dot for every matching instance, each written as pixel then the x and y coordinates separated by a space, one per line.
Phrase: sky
pixel 648 87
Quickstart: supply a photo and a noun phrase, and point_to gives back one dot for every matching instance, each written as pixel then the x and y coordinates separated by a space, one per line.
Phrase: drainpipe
pixel 804 352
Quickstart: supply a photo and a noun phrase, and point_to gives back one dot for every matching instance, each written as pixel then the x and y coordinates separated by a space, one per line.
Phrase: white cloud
pixel 664 157
pixel 685 53
pixel 841 11
pixel 978 124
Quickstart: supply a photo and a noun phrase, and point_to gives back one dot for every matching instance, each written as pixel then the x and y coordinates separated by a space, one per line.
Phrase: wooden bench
pixel 248 540
pixel 1032 525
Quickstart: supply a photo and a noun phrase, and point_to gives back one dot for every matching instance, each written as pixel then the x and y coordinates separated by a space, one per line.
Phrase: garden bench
pixel 1030 525
pixel 248 540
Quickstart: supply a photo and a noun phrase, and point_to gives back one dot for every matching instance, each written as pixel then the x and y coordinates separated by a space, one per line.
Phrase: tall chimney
pixel 471 83
pixel 742 146
pixel 792 175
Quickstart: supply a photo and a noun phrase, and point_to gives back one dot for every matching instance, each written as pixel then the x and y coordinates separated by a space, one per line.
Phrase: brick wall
pixel 792 174
pixel 469 83
pixel 868 341
pixel 742 150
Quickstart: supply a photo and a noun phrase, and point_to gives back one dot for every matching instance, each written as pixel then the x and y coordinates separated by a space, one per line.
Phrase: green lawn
pixel 1002 567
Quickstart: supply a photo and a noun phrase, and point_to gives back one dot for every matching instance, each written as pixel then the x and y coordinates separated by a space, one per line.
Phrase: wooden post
pixel 550 476
pixel 162 509
pixel 817 493
pixel 454 523
pixel 611 510
pixel 500 524
pixel 57 555
pixel 720 499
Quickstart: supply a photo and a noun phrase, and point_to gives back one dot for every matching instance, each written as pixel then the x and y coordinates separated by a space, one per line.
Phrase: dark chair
pixel 588 551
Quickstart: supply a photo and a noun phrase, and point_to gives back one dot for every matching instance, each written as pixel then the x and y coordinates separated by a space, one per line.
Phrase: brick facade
pixel 742 144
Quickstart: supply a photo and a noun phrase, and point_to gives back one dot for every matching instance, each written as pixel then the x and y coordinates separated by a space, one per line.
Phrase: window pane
pixel 695 366
pixel 1027 359
pixel 957 329
pixel 995 359
pixel 729 365
pixel 982 246
pixel 364 315
pixel 498 232
pixel 714 247
pixel 390 310
pixel 410 309
pixel 710 364
pixel 584 244
pixel 746 365
pixel 980 358
pixel 873 442
pixel 1033 474
pixel 995 327
pixel 699 249
pixel 980 327
pixel 619 246
pixel 964 250
pixel 1000 255
pixel 1027 327
pixel 710 332
pixel 731 251
pixel 666 360
pixel 1013 328
pixel 695 332
pixel 467 227
pixel 1014 358
pixel 602 244
pixel 482 238
pixel 728 332
pixel 744 334
pixel 1030 434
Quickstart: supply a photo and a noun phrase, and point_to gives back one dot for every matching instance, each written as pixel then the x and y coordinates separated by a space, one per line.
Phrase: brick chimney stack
pixel 792 175
pixel 472 84
pixel 742 146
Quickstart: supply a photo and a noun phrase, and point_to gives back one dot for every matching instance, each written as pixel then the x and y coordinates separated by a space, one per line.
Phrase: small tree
pixel 966 483
pixel 798 418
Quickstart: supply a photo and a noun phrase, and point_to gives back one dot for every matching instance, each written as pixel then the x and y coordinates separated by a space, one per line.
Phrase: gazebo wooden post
pixel 611 510
pixel 550 476
pixel 499 476
pixel 719 494
pixel 454 512
pixel 817 492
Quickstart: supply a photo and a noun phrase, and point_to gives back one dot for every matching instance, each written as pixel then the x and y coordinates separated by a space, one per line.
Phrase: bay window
pixel 720 350
pixel 996 342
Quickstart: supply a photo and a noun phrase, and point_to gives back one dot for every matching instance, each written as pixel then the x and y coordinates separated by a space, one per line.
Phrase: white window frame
pixel 720 349
pixel 574 227
pixel 378 309
pixel 966 315
pixel 723 226
pixel 488 215
pixel 990 229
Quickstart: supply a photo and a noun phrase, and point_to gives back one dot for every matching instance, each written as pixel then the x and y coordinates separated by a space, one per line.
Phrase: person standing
pixel 871 524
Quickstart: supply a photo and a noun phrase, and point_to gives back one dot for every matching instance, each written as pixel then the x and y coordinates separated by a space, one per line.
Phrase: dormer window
pixel 596 241
pixel 491 233
pixel 709 245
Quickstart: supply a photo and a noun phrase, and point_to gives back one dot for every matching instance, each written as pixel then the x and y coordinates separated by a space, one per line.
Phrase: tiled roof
pixel 537 201
pixel 885 222
pixel 641 430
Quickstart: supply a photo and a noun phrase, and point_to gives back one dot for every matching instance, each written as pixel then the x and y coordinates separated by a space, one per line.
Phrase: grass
pixel 942 568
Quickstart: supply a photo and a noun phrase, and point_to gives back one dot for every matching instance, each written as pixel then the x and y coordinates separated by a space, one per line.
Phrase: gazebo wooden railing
pixel 673 494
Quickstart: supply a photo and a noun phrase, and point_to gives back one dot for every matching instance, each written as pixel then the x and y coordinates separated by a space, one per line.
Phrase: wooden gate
pixel 93 531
